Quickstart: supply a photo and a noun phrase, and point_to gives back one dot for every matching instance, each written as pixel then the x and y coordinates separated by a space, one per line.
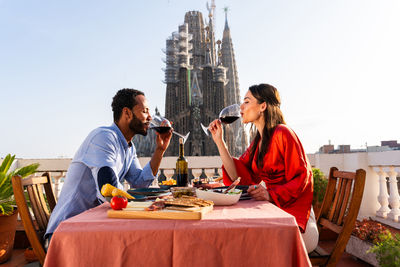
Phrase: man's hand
pixel 163 140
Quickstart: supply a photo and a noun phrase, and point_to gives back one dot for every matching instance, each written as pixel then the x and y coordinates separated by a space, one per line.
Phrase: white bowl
pixel 220 199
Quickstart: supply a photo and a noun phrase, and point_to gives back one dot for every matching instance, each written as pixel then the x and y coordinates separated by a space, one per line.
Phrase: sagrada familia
pixel 201 79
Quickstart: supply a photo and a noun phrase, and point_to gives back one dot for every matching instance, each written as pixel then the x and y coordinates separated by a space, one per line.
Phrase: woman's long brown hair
pixel 272 117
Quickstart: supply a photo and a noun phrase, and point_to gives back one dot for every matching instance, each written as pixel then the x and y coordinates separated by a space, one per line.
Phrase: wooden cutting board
pixel 169 214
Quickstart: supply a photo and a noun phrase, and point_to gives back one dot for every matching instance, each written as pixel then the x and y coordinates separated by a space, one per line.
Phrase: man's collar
pixel 121 136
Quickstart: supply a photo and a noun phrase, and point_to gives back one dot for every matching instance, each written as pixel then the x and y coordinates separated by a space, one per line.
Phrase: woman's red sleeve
pixel 298 174
pixel 243 171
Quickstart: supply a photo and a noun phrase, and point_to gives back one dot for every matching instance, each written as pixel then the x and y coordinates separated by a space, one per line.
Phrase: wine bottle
pixel 181 167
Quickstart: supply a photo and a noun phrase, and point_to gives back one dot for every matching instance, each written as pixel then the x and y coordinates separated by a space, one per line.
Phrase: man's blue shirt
pixel 104 147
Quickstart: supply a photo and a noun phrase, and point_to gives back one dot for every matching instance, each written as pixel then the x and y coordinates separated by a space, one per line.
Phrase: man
pixel 108 156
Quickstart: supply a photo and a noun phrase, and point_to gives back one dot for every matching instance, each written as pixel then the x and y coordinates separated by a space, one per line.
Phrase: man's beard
pixel 137 126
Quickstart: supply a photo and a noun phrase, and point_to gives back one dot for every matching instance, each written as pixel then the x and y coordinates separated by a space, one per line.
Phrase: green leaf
pixel 5 165
pixel 388 250
pixel 320 184
pixel 27 170
pixel 3 178
pixel 6 190
pixel 7 208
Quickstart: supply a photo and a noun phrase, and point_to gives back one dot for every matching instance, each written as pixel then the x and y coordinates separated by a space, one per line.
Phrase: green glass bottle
pixel 181 167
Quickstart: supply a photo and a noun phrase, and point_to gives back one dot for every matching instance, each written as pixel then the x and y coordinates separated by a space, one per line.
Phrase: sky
pixel 335 63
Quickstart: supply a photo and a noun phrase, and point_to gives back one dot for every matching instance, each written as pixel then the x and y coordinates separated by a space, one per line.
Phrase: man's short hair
pixel 124 98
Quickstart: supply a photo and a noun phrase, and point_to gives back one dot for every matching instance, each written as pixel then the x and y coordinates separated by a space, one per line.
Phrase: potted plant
pixel 320 184
pixel 387 249
pixel 366 235
pixel 8 213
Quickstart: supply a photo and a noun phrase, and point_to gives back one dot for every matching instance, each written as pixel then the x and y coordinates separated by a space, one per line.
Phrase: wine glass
pixel 162 125
pixel 196 174
pixel 227 115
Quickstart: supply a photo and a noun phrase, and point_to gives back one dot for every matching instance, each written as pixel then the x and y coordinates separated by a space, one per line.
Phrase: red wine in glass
pixel 228 119
pixel 161 129
pixel 162 125
pixel 227 115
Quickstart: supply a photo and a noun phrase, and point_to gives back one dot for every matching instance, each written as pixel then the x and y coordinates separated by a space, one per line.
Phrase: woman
pixel 275 157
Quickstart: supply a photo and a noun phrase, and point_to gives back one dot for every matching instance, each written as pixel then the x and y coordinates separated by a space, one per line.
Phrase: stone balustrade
pixel 388 198
pixel 381 199
pixel 381 192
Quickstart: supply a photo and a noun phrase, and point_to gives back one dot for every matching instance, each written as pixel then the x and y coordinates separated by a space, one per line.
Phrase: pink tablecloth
pixel 251 233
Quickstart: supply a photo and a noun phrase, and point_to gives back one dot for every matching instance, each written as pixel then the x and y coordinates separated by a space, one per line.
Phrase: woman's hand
pixel 258 192
pixel 217 131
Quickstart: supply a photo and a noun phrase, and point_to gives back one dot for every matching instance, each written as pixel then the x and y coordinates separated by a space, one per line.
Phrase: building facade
pixel 201 79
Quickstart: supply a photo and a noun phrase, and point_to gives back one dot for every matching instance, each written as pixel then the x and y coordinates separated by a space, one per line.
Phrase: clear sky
pixel 335 63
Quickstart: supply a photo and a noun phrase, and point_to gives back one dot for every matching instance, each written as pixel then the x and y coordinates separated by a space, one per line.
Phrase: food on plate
pixel 234 192
pixel 208 186
pixel 157 205
pixel 178 192
pixel 106 190
pixel 119 192
pixel 218 179
pixel 184 203
pixel 189 201
pixel 169 182
pixel 118 202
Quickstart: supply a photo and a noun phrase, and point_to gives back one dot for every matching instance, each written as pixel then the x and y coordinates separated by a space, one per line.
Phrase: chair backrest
pixel 339 212
pixel 31 188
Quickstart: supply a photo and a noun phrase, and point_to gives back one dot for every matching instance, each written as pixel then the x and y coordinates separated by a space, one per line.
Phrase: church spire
pixel 210 36
pixel 228 61
pixel 226 9
pixel 211 12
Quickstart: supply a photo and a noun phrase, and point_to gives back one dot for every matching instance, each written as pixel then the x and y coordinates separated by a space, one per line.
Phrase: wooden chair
pixel 32 188
pixel 339 212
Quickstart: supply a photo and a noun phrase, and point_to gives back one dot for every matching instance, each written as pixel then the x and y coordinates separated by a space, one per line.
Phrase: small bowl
pixel 220 199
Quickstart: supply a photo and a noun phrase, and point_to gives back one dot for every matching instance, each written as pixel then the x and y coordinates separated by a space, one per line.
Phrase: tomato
pixel 119 202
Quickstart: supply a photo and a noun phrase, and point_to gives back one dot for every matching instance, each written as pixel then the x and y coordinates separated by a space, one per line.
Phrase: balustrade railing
pixel 163 174
pixel 388 198
pixel 194 173
pixel 381 198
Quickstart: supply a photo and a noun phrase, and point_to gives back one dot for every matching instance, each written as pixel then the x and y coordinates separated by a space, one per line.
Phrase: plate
pixel 166 187
pixel 148 191
pixel 138 198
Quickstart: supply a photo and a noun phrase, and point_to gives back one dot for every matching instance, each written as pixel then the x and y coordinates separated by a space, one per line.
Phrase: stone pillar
pixel 383 194
pixel 394 198
pixel 56 185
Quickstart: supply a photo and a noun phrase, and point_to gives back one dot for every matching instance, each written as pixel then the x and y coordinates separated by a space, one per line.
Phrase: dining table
pixel 249 233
